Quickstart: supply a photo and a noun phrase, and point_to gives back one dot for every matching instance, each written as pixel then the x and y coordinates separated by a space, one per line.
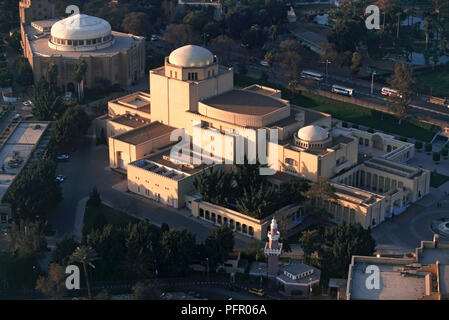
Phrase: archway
pixel 378 142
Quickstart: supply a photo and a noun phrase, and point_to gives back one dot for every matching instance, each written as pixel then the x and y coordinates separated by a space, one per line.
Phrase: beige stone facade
pixel 193 93
pixel 121 62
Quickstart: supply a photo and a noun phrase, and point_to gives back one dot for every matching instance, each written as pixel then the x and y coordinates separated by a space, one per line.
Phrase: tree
pixel 289 59
pixel 197 19
pixel 181 34
pixel 215 186
pixel 47 103
pixel 64 249
pixel 254 37
pixel 53 286
pixel 222 46
pixel 356 63
pixel 69 129
pixel 146 290
pixel 52 76
pixel 6 77
pixel 292 86
pixel 85 256
pixel 34 192
pixel 23 71
pixel 80 73
pixel 94 197
pixel 341 243
pixel 403 82
pixel 137 23
pixel 219 243
pixel 321 190
pixel 178 247
pixel 28 238
pixel 143 250
pixel 310 241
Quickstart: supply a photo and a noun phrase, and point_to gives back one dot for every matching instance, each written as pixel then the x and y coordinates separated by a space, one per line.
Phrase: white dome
pixel 191 56
pixel 80 27
pixel 312 133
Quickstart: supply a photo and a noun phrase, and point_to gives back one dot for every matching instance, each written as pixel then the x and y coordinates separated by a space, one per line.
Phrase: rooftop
pixel 245 102
pixel 297 272
pixel 14 153
pixel 133 121
pixel 39 45
pixel 392 167
pixel 145 133
pixel 161 163
pixel 394 284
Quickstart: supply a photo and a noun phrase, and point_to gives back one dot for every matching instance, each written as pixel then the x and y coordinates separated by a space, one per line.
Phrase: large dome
pixel 191 56
pixel 312 133
pixel 81 27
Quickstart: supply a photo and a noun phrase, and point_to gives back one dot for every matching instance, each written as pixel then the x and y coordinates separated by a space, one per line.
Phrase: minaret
pixel 273 249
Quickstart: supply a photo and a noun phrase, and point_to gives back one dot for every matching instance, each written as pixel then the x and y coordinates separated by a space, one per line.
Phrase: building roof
pixel 191 56
pixel 144 133
pixel 19 146
pixel 303 273
pixel 81 27
pixel 245 102
pixel 312 133
pixel 394 284
pixel 133 121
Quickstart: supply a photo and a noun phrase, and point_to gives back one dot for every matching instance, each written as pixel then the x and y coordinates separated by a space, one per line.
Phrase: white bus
pixel 307 74
pixel 390 92
pixel 343 90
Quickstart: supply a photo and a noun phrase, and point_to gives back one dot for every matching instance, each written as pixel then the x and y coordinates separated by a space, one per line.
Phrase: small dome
pixel 191 56
pixel 312 133
pixel 80 27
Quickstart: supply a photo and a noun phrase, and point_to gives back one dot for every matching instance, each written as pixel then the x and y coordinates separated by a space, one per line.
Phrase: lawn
pixel 111 215
pixel 352 113
pixel 437 179
pixel 438 81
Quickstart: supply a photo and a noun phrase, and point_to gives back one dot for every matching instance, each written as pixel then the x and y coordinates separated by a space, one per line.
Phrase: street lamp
pixel 372 81
pixel 326 62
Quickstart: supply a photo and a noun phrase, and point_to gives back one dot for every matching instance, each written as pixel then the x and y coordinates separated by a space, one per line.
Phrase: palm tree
pixel 52 75
pixel 292 86
pixel 86 256
pixel 80 72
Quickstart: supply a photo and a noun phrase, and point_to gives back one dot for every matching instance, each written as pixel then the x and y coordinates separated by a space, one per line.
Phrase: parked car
pixel 258 292
pixel 68 96
pixel 153 37
pixel 60 178
pixel 63 157
pixel 264 63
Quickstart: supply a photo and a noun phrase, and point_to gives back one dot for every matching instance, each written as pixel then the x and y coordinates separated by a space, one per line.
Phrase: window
pixel 201 213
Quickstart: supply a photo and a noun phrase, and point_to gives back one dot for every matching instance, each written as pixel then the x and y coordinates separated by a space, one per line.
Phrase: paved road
pixel 405 232
pixel 88 167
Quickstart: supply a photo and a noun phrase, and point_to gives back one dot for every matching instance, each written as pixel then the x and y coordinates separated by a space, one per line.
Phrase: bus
pixel 343 90
pixel 390 92
pixel 307 74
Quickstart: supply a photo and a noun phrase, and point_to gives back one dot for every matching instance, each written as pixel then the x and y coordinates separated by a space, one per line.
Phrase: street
pixel 88 167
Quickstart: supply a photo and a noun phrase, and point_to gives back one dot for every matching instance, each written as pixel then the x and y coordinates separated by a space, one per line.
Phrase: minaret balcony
pixel 270 251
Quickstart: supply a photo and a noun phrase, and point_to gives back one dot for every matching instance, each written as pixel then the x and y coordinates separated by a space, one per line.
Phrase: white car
pixel 68 96
pixel 264 63
pixel 153 37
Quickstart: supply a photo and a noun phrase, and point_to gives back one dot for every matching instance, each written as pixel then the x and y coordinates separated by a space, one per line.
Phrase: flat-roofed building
pixel 193 93
pixel 16 151
pixel 137 143
pixel 420 277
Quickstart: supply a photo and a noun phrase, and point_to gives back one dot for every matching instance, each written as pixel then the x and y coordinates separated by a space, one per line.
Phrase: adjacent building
pixel 422 276
pixel 112 57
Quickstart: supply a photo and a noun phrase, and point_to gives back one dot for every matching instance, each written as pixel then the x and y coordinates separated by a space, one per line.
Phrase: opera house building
pixel 112 57
pixel 368 170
